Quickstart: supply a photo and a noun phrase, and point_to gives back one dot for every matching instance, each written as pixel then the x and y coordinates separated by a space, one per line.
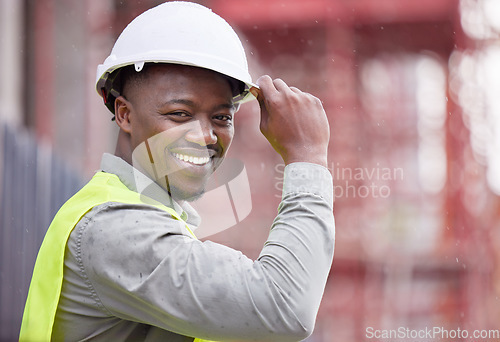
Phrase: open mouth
pixel 192 159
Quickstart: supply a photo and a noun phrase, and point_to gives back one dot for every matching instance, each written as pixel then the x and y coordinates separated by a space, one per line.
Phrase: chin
pixel 185 195
pixel 182 187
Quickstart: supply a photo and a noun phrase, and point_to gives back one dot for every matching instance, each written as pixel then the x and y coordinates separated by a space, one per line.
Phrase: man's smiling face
pixel 180 120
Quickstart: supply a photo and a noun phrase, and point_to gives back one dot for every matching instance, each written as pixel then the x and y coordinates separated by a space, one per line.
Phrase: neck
pixel 123 147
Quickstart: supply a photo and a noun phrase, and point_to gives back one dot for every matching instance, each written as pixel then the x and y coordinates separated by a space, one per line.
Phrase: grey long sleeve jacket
pixel 131 272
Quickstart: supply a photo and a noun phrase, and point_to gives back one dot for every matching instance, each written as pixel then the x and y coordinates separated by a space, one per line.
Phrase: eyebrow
pixel 193 104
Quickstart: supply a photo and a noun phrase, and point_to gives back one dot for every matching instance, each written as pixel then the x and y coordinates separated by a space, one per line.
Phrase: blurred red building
pixel 417 220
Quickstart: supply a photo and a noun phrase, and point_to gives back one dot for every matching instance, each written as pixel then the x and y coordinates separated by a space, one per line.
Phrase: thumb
pixel 263 110
pixel 257 93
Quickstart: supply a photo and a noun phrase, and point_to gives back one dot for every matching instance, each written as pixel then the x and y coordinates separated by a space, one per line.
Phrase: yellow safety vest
pixel 46 282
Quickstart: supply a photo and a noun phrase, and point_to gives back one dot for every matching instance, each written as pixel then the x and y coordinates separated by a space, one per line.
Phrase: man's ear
pixel 122 113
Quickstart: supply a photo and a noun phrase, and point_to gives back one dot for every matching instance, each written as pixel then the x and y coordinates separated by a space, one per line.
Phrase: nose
pixel 202 133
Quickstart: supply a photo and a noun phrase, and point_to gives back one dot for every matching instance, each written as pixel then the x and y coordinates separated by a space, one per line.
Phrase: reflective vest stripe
pixel 46 282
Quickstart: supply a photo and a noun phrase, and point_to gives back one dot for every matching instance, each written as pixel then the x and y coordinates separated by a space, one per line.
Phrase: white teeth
pixel 191 159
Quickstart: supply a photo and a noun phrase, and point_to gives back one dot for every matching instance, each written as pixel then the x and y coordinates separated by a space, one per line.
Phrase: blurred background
pixel 412 92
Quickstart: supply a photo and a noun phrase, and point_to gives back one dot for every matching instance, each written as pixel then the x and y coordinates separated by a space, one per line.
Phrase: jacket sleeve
pixel 141 267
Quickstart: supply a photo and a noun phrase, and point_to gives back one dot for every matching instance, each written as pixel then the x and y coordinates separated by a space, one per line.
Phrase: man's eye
pixel 224 117
pixel 179 114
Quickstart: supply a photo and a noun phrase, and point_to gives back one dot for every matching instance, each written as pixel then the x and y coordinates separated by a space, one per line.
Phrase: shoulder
pixel 114 221
pixel 114 236
pixel 115 229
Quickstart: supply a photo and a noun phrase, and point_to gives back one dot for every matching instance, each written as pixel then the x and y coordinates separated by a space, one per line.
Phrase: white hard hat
pixel 180 33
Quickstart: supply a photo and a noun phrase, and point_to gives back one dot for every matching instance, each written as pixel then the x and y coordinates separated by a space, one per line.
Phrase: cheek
pixel 153 130
pixel 164 136
pixel 226 137
pixel 141 130
pixel 151 151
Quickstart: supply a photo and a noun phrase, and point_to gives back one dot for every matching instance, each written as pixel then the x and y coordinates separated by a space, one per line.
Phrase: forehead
pixel 183 75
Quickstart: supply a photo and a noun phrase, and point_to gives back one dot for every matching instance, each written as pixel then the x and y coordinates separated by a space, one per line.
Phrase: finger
pixel 280 85
pixel 265 84
pixel 296 90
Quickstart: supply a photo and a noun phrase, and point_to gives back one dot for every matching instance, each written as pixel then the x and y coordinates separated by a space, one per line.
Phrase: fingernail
pixel 254 92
